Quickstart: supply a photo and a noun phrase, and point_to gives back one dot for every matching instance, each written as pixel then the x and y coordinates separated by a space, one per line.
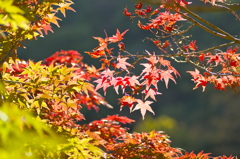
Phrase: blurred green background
pixel 194 120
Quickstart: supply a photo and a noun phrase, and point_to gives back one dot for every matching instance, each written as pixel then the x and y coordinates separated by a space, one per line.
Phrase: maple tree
pixel 42 101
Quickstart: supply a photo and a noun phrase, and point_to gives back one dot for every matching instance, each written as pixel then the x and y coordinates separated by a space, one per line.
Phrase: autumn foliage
pixel 42 101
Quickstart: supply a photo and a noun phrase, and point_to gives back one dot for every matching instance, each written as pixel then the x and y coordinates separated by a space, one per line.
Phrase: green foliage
pixel 80 149
pixel 23 136
pixel 22 20
pixel 46 89
pixel 13 15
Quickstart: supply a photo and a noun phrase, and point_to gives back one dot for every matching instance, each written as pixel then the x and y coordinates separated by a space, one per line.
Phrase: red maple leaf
pixel 96 53
pixel 121 119
pixel 131 81
pixel 45 26
pixel 127 100
pixel 102 43
pixel 126 12
pixel 118 37
pixel 192 45
pixel 151 78
pixel 151 93
pixel 116 82
pixel 215 58
pixel 201 82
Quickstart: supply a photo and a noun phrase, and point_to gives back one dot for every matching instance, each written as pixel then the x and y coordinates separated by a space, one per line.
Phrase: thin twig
pixel 221 33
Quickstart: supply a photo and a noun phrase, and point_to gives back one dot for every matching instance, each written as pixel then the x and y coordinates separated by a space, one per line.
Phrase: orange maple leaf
pixel 53 19
pixel 102 43
pixel 118 37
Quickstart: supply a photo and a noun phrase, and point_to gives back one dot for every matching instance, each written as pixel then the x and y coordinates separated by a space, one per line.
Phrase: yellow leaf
pixel 64 6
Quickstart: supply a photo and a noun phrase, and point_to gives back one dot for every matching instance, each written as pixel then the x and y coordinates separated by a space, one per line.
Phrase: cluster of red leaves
pixel 163 20
pixel 144 145
pixel 202 155
pixel 108 129
pixel 222 69
pixel 156 69
pixel 152 145
pixel 119 144
pixel 62 117
pixel 228 64
pixel 68 58
pixel 102 49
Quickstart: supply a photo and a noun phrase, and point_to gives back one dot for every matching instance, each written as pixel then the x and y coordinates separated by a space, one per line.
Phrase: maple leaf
pixel 176 73
pixel 195 74
pixel 166 75
pixel 102 83
pixel 53 19
pixel 126 12
pixel 116 82
pixel 201 82
pixel 122 63
pixel 151 93
pixel 64 6
pixel 201 57
pixel 45 27
pixel 105 81
pixel 96 53
pixel 192 46
pixel 118 37
pixel 148 68
pixel 164 62
pixel 215 58
pixel 131 81
pixel 144 27
pixel 102 43
pixel 152 78
pixel 107 73
pixel 121 119
pixel 127 100
pixel 152 58
pixel 92 70
pixel 143 106
pixel 199 79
